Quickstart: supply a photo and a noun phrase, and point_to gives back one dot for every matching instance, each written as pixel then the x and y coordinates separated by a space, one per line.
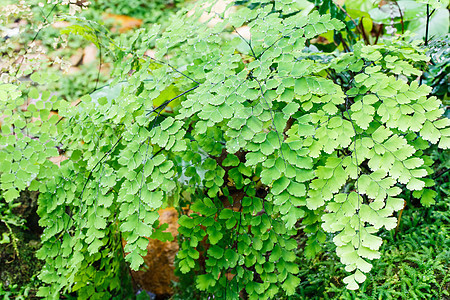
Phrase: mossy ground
pixel 18 263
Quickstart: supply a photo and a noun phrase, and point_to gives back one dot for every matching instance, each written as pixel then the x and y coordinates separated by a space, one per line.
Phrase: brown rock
pixel 77 58
pixel 89 54
pixel 158 277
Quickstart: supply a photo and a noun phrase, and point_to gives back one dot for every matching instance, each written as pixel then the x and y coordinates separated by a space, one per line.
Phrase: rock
pixel 89 54
pixel 158 277
pixel 77 58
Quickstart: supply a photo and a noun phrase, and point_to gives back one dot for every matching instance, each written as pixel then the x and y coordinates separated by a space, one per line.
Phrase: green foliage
pixel 8 218
pixel 20 240
pixel 267 136
pixel 150 11
pixel 424 18
pixel 417 19
pixel 24 160
pixel 437 76
pixel 19 292
pixel 413 264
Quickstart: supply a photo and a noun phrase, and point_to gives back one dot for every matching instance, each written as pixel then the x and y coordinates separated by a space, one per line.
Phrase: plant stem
pixel 426 25
pixel 398 220
pixel 14 239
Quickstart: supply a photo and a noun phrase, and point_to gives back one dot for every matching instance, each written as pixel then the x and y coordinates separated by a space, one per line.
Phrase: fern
pixel 265 135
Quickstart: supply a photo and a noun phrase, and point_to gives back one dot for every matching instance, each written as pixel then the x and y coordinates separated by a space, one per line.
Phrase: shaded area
pixel 18 264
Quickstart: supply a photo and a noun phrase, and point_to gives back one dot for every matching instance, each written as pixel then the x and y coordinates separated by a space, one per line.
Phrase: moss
pixel 19 266
pixel 19 269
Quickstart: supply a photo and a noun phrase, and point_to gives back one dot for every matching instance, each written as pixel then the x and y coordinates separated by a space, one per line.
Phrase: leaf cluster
pixel 268 138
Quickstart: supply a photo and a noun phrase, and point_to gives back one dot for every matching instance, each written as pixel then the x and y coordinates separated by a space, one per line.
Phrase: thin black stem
pixel 427 24
pixel 440 174
pixel 100 62
pixel 173 68
pixel 168 101
pixel 249 43
pixel 401 17
pixel 92 171
pixel 272 117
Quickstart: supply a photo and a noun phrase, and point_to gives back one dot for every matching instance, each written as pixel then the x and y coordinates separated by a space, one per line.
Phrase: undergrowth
pixel 415 265
pixel 415 258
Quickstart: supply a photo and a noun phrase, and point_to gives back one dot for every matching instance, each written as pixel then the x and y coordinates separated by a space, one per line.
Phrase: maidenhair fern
pixel 266 135
pixel 26 141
